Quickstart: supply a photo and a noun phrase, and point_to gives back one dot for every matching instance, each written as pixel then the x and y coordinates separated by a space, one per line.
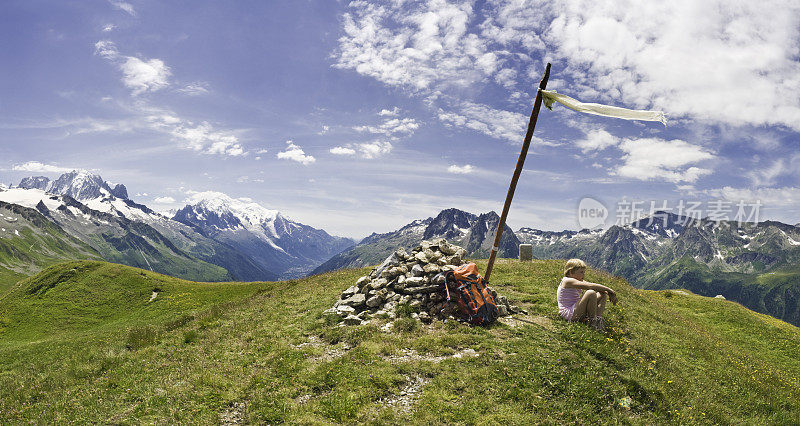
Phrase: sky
pixel 360 117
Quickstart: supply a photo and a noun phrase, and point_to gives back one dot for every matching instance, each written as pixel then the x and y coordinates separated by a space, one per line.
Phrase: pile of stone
pixel 415 279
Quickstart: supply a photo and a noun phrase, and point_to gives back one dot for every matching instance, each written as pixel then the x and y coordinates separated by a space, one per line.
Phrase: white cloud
pixel 109 28
pixel 262 151
pixel 295 153
pixel 461 170
pixel 137 74
pixel 723 61
pixel 340 150
pixel 121 5
pixel 374 149
pixel 651 158
pixel 246 179
pixel 769 197
pixel 496 123
pixel 143 76
pixel 781 167
pixel 195 89
pixel 420 45
pixel 392 127
pixel 38 167
pixel 202 138
pixel 106 49
pixel 597 140
pixel 389 112
pixel 164 200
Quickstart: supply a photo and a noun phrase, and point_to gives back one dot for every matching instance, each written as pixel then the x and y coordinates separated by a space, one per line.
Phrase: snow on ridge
pixel 29 198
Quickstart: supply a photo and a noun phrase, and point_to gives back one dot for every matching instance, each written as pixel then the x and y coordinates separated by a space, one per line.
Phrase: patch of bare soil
pixel 233 415
pixel 330 352
pixel 409 394
pixel 409 355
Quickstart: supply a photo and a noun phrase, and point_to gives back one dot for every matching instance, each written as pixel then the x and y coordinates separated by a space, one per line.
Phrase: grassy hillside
pixel 82 342
pixel 29 243
pixel 774 293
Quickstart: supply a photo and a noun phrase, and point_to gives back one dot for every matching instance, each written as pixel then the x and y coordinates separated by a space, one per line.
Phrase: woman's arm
pixel 586 285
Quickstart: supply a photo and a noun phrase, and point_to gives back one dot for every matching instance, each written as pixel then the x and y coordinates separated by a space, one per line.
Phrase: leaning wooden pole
pixel 520 162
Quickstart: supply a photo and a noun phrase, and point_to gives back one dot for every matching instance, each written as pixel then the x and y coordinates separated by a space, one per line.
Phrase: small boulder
pixel 352 320
pixel 355 300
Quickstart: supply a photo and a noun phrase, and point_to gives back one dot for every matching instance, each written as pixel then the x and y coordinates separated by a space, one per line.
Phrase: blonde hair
pixel 572 265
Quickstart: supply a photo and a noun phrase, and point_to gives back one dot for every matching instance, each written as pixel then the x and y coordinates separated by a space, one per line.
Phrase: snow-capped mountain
pixel 78 184
pixel 287 247
pixel 122 230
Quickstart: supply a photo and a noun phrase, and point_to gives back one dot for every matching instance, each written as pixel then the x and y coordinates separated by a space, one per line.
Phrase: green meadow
pixel 94 342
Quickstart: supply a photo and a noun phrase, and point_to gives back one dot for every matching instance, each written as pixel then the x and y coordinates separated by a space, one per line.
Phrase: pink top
pixel 567 298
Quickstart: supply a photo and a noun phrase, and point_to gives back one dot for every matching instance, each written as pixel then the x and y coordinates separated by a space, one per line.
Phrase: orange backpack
pixel 467 289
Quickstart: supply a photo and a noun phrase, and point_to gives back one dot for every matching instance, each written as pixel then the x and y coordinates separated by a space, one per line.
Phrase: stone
pixel 378 284
pixel 439 279
pixel 362 281
pixel 355 300
pixel 446 248
pixel 417 271
pixel 415 304
pixel 502 300
pixel 414 281
pixel 374 301
pixel 345 310
pixel 352 320
pixel 424 289
pixel 405 299
pixel 349 292
pixel 401 279
pixel 525 252
pixel 421 257
pixel 425 317
pixel 515 309
pixel 437 297
pixel 431 269
pixel 363 315
pixel 719 296
pixel 502 310
pixel 391 261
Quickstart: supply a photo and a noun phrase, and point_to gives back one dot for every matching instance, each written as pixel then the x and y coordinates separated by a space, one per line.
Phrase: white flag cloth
pixel 550 96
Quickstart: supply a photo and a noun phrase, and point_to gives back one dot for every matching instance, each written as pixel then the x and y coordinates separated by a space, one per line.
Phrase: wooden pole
pixel 520 162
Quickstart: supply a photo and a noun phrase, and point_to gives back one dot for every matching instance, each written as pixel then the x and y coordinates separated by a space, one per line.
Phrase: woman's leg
pixel 587 306
pixel 601 304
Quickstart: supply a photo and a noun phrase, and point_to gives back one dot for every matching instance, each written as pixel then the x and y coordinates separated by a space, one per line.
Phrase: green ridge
pixel 81 342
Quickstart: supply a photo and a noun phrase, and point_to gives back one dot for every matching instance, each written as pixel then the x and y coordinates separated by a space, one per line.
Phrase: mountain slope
pixel 472 232
pixel 274 242
pixel 29 243
pixel 264 353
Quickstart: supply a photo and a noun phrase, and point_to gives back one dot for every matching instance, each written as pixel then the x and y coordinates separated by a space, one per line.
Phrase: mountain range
pixel 216 237
pixel 251 243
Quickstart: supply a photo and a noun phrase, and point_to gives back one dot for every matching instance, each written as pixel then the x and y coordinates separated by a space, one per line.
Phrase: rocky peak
pixel 82 186
pixel 663 223
pixel 34 182
pixel 450 223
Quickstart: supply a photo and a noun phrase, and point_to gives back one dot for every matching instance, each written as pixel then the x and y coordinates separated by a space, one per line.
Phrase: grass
pixel 70 353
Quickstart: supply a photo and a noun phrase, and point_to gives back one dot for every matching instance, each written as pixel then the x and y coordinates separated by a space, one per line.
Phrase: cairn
pixel 415 279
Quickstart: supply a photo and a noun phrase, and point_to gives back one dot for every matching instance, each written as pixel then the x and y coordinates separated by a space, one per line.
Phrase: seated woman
pixel 586 308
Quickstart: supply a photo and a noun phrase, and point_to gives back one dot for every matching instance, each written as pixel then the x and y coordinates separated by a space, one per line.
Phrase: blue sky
pixel 358 117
